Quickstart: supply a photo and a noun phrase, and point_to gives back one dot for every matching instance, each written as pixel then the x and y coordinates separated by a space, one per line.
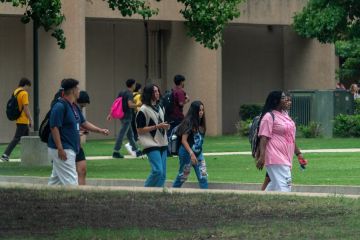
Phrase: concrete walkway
pixel 341 150
pixel 170 190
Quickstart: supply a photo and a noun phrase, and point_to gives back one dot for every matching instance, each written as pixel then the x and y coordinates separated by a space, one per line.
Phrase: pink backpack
pixel 116 110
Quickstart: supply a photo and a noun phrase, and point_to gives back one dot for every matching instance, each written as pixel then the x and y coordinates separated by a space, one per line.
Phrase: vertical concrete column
pixel 203 71
pixel 308 64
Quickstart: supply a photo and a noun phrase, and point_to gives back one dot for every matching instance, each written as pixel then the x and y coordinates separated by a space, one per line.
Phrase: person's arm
pixel 261 152
pixel 131 104
pixel 186 145
pixel 92 128
pixel 298 152
pixel 56 136
pixel 28 114
pixel 163 125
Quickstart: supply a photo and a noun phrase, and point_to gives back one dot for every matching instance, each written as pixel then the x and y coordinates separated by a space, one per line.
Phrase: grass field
pixel 323 168
pixel 218 144
pixel 74 214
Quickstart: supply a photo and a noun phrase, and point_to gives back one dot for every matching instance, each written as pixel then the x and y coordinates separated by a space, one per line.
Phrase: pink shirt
pixel 281 133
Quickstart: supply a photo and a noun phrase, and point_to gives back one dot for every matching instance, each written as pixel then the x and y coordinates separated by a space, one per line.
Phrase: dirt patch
pixel 44 212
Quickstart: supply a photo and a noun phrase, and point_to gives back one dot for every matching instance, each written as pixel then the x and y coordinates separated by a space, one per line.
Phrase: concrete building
pixel 260 53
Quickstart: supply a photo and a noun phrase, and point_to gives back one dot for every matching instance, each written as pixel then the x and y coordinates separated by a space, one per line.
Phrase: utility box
pixel 321 106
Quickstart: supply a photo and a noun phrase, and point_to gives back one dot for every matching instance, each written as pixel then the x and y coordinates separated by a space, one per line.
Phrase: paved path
pixel 342 150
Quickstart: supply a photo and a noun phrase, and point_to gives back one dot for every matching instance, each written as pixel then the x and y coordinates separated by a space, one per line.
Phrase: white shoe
pixel 129 149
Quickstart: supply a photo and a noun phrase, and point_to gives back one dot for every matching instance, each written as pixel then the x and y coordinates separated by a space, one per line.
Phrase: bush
pixel 243 127
pixel 347 125
pixel 313 130
pixel 249 111
pixel 357 106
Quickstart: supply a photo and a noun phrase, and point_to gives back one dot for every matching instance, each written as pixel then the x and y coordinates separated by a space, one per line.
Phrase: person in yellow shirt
pixel 137 101
pixel 24 122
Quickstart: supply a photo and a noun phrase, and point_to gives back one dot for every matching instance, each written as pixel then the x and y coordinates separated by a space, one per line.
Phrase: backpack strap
pixel 16 95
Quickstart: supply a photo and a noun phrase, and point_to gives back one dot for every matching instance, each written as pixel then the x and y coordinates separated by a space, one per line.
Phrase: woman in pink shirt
pixel 277 141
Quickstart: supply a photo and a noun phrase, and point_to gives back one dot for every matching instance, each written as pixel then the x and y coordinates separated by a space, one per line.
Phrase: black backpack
pixel 167 101
pixel 174 141
pixel 253 134
pixel 13 111
pixel 44 129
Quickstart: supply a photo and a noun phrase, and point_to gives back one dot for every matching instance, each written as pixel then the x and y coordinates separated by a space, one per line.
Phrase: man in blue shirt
pixel 64 140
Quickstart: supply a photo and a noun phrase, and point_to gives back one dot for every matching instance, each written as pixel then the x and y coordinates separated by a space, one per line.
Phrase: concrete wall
pixel 202 69
pixel 252 66
pixel 12 67
pixel 308 64
pixel 115 51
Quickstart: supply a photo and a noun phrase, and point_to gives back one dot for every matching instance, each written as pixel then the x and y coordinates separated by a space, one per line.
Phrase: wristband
pixel 297 154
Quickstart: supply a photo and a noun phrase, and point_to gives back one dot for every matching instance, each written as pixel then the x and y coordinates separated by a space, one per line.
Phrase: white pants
pixel 63 172
pixel 280 178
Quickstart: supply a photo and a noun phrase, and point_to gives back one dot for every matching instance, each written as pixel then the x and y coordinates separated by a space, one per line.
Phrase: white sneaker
pixel 129 149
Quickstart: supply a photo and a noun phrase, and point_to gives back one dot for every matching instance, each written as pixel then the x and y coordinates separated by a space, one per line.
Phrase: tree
pixel 44 13
pixel 206 19
pixel 338 22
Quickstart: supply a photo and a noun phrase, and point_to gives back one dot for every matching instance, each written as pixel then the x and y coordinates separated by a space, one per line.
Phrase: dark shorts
pixel 80 156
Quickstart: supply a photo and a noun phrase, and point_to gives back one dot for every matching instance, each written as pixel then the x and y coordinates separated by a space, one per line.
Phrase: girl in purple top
pixel 277 141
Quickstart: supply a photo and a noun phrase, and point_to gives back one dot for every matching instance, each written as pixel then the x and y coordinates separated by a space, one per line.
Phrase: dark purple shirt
pixel 179 97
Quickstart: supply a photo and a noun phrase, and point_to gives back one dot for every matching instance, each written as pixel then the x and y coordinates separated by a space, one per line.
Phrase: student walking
pixel 138 103
pixel 180 98
pixel 65 121
pixel 302 161
pixel 152 135
pixel 125 129
pixel 277 142
pixel 192 131
pixel 24 122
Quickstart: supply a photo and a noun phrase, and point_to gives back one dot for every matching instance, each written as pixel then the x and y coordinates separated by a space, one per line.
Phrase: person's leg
pixel 156 169
pixel 184 168
pixel 201 173
pixel 280 176
pixel 125 124
pixel 162 180
pixel 130 137
pixel 81 167
pixel 21 130
pixel 66 170
pixel 266 182
pixel 53 179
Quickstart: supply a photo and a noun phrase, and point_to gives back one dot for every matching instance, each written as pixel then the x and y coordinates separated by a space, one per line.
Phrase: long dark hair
pixel 192 120
pixel 272 102
pixel 148 92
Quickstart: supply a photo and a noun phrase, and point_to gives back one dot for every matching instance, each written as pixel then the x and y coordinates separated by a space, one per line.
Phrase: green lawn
pixel 323 168
pixel 73 214
pixel 219 144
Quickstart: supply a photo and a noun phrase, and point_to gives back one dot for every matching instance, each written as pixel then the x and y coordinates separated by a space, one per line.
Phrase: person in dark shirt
pixel 125 129
pixel 64 140
pixel 180 99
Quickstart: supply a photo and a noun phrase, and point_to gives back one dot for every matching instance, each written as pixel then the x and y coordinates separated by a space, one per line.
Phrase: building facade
pixel 260 53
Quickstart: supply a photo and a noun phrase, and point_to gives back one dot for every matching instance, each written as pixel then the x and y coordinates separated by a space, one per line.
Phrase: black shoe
pixel 4 158
pixel 117 155
pixel 138 153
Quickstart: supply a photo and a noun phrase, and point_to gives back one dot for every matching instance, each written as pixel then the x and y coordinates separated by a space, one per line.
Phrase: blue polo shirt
pixel 67 118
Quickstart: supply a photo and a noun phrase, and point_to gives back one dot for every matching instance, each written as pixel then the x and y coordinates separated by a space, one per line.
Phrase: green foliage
pixel 313 130
pixel 131 7
pixel 206 19
pixel 357 106
pixel 243 127
pixel 334 21
pixel 44 13
pixel 347 125
pixel 249 111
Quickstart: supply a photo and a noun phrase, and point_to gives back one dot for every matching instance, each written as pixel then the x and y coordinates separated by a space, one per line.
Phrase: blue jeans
pixel 125 129
pixel 185 166
pixel 157 177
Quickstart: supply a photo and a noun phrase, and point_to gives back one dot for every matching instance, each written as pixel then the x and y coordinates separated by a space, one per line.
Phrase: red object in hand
pixel 302 161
